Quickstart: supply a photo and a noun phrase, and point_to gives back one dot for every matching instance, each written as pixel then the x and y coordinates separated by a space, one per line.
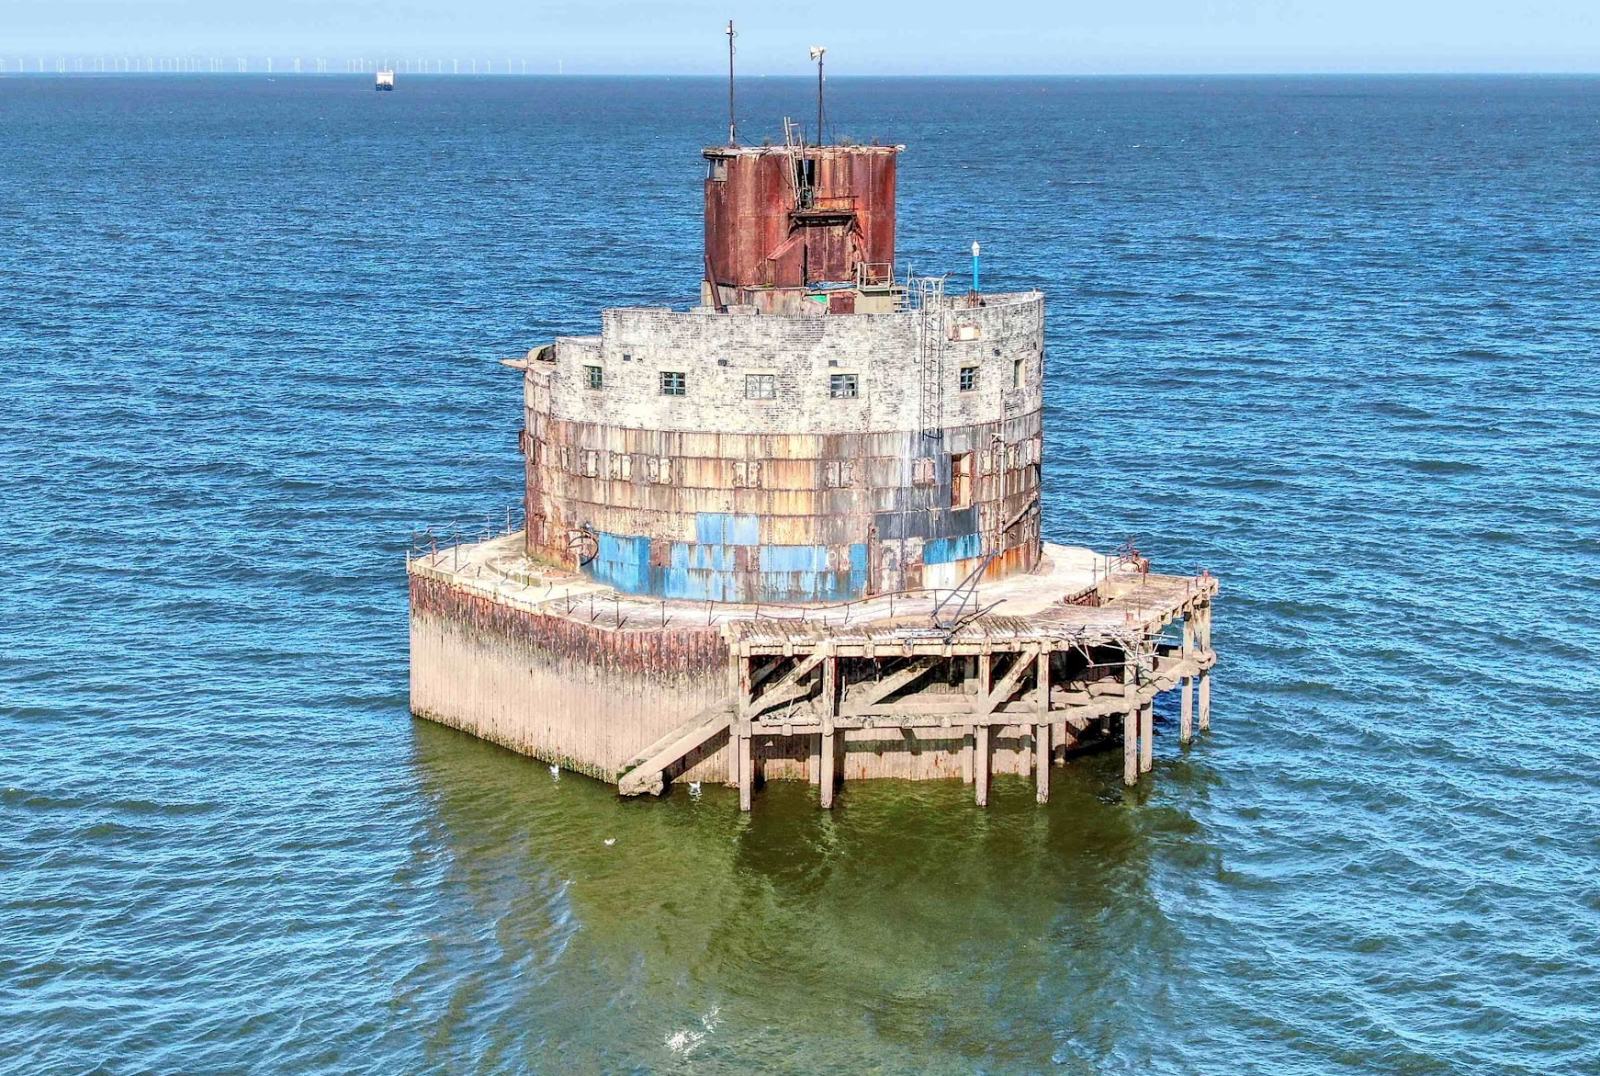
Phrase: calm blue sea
pixel 1334 339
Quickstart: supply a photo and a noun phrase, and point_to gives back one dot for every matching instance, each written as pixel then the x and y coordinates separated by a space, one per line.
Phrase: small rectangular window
pixel 760 386
pixel 594 377
pixel 969 378
pixel 1016 373
pixel 674 383
pixel 961 480
pixel 842 386
pixel 747 474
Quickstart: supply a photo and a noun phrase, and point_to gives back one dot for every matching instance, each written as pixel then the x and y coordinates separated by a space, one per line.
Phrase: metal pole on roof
pixel 732 128
pixel 816 54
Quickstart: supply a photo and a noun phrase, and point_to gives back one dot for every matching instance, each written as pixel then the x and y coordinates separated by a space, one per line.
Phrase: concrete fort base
pixel 542 679
pixel 639 691
pixel 556 689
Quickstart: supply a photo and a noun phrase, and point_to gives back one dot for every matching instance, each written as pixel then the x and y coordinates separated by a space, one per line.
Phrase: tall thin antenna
pixel 816 54
pixel 733 133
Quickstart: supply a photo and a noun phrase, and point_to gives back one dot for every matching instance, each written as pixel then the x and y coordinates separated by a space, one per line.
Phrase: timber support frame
pixel 1011 690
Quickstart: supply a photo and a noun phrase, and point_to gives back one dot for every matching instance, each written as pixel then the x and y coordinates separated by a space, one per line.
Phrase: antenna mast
pixel 816 54
pixel 732 129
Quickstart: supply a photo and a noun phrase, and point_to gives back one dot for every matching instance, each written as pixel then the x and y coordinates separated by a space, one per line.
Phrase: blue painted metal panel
pixel 623 561
pixel 707 571
pixel 724 528
pixel 948 550
pixel 794 558
pixel 743 530
pixel 860 568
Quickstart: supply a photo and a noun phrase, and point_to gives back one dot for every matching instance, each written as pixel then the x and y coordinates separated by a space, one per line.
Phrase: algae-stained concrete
pixel 553 665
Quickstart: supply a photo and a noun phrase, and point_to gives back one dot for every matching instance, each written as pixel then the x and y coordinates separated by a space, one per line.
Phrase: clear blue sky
pixel 898 37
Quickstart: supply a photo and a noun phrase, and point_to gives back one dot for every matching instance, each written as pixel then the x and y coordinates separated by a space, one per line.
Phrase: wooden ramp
pixel 644 773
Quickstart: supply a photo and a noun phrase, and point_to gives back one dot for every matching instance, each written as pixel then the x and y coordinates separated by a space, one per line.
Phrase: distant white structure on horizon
pixel 385 80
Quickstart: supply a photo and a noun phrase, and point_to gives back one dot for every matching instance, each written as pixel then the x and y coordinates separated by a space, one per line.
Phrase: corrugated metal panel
pixel 754 237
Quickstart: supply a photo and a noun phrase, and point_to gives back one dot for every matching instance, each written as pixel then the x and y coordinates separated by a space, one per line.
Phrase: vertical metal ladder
pixel 928 294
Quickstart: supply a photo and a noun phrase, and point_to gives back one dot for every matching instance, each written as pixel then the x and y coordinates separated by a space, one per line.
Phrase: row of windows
pixel 765 386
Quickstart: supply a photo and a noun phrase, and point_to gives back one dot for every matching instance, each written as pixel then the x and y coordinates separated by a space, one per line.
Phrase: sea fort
pixel 792 531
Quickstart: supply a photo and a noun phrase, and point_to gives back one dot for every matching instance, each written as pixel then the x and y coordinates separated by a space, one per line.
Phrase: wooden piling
pixel 980 765
pixel 1186 709
pixel 829 754
pixel 1147 715
pixel 1041 761
pixel 1130 722
pixel 828 748
pixel 966 757
pixel 1186 685
pixel 1042 677
pixel 747 777
pixel 737 677
pixel 1205 675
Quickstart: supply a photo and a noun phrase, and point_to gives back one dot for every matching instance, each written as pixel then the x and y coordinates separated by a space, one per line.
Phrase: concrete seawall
pixel 552 687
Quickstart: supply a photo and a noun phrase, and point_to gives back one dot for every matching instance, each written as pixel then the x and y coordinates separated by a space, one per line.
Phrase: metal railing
pixel 453 536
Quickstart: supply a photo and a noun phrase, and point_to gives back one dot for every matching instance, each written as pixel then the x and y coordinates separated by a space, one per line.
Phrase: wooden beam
pixel 930 712
pixel 1008 683
pixel 896 680
pixel 790 687
pixel 759 675
pixel 966 757
pixel 645 775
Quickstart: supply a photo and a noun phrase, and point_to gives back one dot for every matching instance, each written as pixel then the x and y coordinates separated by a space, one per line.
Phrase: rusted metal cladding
pixel 778 458
pixel 777 218
pixel 774 518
